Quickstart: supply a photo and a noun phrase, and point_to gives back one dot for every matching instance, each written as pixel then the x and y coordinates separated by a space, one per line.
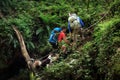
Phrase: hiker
pixel 54 37
pixel 53 40
pixel 75 25
pixel 62 41
pixel 43 63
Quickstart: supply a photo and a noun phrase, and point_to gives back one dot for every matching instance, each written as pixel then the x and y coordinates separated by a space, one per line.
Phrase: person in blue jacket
pixel 53 39
pixel 75 25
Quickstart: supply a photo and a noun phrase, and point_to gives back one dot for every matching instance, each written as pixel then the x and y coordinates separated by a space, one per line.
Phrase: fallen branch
pixel 23 49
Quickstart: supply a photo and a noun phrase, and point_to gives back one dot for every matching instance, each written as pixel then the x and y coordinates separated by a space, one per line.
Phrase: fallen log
pixel 32 64
pixel 23 49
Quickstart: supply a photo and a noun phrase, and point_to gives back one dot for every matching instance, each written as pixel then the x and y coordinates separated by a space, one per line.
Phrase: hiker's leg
pixel 76 29
pixel 73 37
pixel 76 33
pixel 82 33
pixel 72 33
pixel 76 37
pixel 45 62
pixel 63 48
pixel 55 47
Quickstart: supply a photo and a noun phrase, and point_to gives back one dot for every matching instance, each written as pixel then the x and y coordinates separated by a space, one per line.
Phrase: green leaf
pixel 39 31
pixel 32 45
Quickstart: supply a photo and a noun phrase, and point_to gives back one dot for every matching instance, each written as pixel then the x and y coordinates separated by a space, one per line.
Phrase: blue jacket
pixel 81 22
pixel 52 37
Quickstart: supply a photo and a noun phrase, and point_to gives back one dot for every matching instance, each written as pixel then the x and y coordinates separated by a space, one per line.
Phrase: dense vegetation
pixel 97 59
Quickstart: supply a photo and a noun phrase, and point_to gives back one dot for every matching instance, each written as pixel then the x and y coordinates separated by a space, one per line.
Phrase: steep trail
pixel 88 37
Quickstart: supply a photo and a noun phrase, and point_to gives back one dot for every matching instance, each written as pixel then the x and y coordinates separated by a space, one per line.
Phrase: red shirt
pixel 61 36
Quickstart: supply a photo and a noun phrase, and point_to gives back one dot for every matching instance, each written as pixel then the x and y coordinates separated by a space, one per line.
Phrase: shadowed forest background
pixel 98 57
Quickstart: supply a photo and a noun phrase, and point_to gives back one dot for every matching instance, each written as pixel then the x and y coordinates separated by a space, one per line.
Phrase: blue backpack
pixel 54 34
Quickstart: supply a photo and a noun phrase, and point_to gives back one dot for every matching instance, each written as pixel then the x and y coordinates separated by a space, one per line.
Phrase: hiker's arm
pixel 64 38
pixel 69 26
pixel 69 29
pixel 81 22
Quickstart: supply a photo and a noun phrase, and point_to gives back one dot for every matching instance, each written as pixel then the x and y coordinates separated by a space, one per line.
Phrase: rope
pixel 96 22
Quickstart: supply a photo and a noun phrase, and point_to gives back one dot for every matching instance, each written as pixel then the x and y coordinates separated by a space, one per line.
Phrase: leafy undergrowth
pixel 97 60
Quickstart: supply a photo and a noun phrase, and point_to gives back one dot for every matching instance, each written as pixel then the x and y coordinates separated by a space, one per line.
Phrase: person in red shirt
pixel 63 42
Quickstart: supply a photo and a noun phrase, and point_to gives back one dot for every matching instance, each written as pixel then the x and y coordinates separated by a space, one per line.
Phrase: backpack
pixel 54 34
pixel 75 21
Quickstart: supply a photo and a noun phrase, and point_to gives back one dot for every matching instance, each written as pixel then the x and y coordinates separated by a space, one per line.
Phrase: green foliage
pixel 48 19
pixel 76 66
pixel 106 39
pixel 60 71
pixel 115 60
pixel 115 8
pixel 36 18
pixel 106 30
pixel 32 77
pixel 95 57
